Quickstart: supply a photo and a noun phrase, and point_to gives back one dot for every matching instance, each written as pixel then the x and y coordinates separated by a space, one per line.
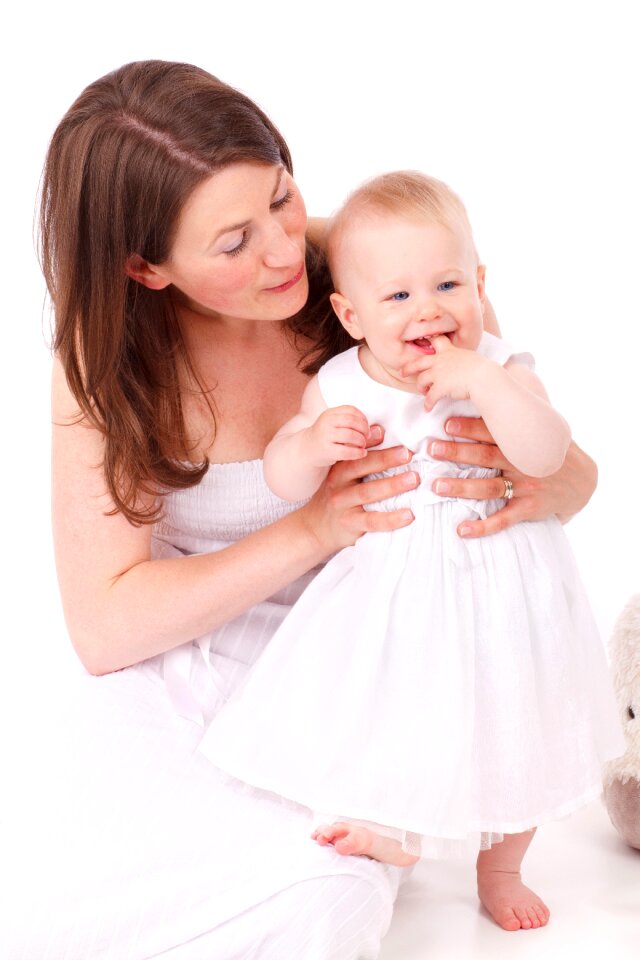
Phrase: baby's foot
pixel 351 840
pixel 512 905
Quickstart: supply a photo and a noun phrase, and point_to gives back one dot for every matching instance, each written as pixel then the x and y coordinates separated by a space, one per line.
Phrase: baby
pixel 426 691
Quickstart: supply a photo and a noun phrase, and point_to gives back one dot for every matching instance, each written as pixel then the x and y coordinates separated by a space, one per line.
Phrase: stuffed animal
pixel 622 776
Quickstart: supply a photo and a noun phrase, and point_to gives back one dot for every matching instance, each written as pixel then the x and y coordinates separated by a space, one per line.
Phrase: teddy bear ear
pixel 624 647
pixel 622 775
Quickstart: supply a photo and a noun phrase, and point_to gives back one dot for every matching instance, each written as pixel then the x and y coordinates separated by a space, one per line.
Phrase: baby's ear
pixel 481 272
pixel 346 315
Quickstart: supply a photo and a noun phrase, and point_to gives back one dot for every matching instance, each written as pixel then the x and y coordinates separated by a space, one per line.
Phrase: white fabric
pixel 336 917
pixel 450 690
pixel 135 847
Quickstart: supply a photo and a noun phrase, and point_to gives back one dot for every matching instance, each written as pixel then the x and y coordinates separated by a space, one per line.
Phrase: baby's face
pixel 408 281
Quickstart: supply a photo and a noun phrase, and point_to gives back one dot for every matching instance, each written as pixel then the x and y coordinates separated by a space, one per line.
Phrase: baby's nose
pixel 430 310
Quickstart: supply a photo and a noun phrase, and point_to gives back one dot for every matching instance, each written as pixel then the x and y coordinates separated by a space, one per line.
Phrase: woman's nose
pixel 281 250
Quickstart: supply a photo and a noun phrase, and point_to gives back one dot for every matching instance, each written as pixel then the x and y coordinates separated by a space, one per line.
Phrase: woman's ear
pixel 145 273
pixel 346 315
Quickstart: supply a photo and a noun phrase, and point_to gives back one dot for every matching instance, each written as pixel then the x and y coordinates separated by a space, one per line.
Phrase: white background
pixel 530 111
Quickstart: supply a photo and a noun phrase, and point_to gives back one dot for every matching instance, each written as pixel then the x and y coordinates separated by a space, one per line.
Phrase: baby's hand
pixel 449 372
pixel 339 433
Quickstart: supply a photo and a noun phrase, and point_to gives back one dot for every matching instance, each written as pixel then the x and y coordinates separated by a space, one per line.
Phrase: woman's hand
pixel 563 493
pixel 336 514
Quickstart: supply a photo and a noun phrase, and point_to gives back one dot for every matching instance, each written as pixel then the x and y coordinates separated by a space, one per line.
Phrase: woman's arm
pixel 122 607
pixel 562 494
pixel 489 319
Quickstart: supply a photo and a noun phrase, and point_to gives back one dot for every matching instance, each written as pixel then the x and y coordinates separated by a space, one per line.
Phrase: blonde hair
pixel 403 193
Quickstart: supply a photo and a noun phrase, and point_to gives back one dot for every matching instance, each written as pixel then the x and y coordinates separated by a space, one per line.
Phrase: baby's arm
pixel 298 458
pixel 511 400
pixel 515 407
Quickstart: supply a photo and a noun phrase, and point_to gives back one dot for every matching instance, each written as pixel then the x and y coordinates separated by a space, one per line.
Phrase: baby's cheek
pixel 473 329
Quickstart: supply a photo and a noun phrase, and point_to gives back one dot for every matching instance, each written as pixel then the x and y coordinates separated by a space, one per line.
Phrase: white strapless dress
pixel 135 845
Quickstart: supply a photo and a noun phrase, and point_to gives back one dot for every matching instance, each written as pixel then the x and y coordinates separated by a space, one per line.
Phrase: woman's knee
pixel 341 917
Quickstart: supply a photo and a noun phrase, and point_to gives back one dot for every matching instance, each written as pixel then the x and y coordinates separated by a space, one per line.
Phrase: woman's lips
pixel 288 283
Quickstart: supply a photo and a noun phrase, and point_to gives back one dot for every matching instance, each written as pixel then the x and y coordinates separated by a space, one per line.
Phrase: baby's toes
pixel 507 918
pixel 542 913
pixel 533 917
pixel 523 916
pixel 320 838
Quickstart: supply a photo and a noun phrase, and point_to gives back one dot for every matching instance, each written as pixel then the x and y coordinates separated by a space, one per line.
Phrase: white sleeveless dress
pixel 447 690
pixel 135 847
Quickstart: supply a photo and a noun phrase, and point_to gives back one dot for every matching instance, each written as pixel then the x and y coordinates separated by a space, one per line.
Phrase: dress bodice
pixel 231 501
pixel 342 380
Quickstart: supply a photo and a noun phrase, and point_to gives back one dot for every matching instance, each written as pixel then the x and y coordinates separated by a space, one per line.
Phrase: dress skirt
pixel 448 691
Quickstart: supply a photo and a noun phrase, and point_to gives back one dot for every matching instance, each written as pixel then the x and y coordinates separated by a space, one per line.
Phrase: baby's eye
pixel 447 285
pixel 400 295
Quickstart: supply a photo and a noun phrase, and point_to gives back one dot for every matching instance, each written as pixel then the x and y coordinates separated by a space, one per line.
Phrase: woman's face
pixel 239 248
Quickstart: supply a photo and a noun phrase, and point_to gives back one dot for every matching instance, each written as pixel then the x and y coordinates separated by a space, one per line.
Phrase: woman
pixel 187 324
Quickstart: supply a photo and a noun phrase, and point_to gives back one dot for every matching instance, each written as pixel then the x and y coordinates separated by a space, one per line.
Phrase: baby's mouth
pixel 423 344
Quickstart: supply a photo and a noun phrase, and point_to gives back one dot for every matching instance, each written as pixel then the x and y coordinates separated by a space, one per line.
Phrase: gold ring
pixel 508 489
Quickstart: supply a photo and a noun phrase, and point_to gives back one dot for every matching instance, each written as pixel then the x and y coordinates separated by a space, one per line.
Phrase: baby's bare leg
pixel 351 840
pixel 501 890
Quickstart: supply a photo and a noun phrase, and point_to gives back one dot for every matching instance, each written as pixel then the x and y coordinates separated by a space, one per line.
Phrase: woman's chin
pixel 293 300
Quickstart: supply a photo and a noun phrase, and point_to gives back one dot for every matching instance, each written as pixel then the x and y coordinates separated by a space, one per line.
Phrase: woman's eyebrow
pixel 245 223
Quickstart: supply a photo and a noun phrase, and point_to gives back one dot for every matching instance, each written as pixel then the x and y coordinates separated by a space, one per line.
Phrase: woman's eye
pixel 278 204
pixel 400 295
pixel 447 285
pixel 234 251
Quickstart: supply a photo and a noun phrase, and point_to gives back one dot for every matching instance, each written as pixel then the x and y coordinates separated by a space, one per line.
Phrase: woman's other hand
pixel 336 513
pixel 562 494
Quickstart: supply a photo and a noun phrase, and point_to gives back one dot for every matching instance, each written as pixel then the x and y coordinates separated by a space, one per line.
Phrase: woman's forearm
pixel 121 606
pixel 158 604
pixel 573 485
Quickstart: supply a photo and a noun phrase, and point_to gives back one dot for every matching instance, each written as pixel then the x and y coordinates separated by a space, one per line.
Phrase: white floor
pixel 589 879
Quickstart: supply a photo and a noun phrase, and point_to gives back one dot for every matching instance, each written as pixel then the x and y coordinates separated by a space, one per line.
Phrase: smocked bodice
pixel 231 501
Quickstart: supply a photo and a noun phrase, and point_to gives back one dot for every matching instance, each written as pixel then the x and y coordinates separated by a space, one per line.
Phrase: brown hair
pixel 404 193
pixel 119 169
